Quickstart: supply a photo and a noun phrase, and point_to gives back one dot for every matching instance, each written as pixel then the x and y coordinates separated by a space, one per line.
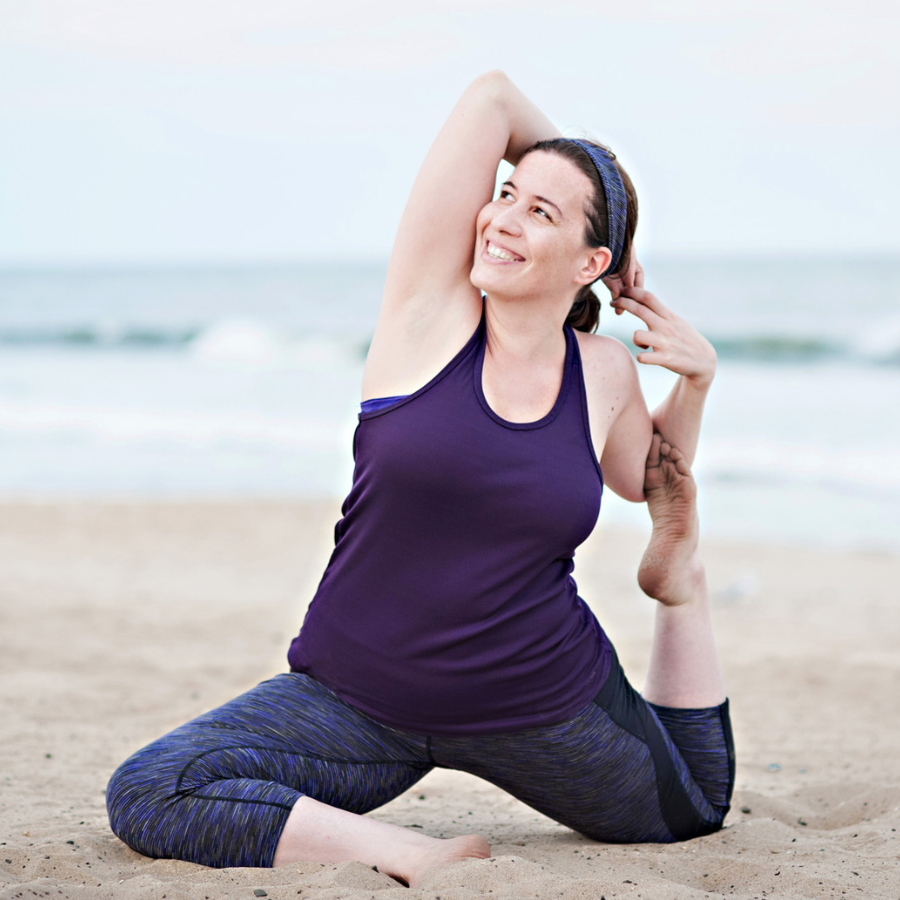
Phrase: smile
pixel 499 253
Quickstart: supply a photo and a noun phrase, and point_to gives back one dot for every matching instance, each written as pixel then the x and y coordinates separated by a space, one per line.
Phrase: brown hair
pixel 585 312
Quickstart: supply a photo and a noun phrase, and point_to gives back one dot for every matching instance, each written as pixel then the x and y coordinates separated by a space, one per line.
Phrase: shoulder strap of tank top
pixel 578 375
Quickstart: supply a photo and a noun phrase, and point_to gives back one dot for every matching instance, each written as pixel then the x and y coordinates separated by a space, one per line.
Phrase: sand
pixel 119 621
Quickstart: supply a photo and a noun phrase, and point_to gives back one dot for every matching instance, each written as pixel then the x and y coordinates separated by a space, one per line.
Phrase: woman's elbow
pixel 492 77
pixel 628 485
pixel 632 492
pixel 624 469
pixel 493 84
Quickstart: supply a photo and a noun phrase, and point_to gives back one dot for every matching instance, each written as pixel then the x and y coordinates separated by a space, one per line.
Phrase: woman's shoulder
pixel 609 370
pixel 605 356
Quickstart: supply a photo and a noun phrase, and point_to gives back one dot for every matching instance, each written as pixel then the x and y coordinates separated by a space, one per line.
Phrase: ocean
pixel 244 382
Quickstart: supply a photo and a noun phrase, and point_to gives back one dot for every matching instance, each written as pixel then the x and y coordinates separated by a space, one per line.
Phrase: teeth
pixel 497 253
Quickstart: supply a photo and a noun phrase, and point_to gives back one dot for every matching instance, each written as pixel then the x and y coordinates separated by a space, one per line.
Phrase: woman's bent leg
pixel 631 768
pixel 684 669
pixel 612 772
pixel 704 740
pixel 219 790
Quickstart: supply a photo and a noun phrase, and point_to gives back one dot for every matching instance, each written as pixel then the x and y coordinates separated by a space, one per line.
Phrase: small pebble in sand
pixel 259 892
pixel 774 767
pixel 745 809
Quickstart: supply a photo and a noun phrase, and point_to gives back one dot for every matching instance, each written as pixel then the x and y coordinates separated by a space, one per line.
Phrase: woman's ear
pixel 597 263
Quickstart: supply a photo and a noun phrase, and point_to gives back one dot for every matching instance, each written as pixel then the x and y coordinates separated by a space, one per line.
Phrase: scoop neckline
pixel 477 373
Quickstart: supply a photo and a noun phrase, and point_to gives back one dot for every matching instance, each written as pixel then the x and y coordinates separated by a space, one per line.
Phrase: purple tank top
pixel 448 605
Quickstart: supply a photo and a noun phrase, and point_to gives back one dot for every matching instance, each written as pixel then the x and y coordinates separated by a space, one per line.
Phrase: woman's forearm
pixel 679 416
pixel 673 343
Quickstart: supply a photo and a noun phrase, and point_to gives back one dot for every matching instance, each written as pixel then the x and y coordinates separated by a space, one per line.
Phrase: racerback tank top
pixel 448 605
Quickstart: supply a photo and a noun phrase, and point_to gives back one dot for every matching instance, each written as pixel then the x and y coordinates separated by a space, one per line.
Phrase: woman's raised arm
pixel 430 307
pixel 433 248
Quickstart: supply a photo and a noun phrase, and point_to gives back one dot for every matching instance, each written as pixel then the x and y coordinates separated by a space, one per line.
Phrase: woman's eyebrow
pixel 537 197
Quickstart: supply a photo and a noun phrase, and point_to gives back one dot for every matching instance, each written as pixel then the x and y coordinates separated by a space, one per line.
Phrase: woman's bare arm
pixel 679 347
pixel 433 248
pixel 622 414
pixel 620 424
pixel 430 307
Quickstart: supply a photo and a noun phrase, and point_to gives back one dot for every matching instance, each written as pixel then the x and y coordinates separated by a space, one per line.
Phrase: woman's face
pixel 530 240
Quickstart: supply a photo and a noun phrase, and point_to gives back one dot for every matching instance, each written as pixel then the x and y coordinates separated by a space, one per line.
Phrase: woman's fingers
pixel 625 301
pixel 645 298
pixel 632 277
pixel 643 339
pixel 668 340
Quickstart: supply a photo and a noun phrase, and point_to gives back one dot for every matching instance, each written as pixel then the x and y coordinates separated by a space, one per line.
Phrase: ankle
pixel 682 583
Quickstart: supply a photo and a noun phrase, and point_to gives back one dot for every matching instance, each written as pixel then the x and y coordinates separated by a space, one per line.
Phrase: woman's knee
pixel 138 788
pixel 122 796
pixel 654 831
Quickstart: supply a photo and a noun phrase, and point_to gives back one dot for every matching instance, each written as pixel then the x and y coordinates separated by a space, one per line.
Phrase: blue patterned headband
pixel 614 189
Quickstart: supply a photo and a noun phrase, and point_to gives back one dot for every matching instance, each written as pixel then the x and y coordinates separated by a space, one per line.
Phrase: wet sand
pixel 119 621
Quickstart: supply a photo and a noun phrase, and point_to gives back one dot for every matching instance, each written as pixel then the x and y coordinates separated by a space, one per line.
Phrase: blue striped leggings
pixel 218 790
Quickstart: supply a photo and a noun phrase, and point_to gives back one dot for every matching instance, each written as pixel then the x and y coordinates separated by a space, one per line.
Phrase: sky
pixel 254 131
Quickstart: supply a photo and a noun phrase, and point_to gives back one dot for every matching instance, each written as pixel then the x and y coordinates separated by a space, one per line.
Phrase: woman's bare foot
pixel 442 853
pixel 317 832
pixel 670 570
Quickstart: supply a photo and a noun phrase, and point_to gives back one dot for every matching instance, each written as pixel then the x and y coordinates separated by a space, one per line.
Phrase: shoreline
pixel 631 524
pixel 122 618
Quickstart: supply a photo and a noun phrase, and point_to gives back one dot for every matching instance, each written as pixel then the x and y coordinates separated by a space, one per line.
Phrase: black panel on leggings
pixel 630 711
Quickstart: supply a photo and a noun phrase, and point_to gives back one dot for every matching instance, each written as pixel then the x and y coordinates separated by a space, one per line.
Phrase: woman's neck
pixel 528 331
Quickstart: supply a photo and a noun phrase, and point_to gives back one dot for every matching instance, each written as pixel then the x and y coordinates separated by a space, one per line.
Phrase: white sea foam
pixel 880 341
pixel 238 341
pixel 833 468
pixel 130 425
pixel 246 342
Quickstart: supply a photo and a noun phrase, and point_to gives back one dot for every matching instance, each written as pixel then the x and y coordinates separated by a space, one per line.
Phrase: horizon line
pixel 200 263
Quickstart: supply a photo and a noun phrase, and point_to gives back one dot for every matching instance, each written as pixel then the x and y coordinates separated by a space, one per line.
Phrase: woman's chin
pixel 490 280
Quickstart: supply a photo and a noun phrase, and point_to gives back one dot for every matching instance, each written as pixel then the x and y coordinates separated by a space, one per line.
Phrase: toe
pixel 653 455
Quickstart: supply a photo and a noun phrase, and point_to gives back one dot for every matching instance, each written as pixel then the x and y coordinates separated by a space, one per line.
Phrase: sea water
pixel 244 381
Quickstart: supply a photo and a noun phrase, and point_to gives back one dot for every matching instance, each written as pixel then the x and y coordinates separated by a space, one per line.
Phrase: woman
pixel 447 630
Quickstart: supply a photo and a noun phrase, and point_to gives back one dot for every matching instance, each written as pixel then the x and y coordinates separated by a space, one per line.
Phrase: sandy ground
pixel 119 621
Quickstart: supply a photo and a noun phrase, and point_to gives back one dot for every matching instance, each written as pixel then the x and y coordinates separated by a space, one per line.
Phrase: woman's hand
pixel 676 344
pixel 633 276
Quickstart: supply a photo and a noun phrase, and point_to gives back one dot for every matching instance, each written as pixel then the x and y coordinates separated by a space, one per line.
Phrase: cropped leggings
pixel 218 790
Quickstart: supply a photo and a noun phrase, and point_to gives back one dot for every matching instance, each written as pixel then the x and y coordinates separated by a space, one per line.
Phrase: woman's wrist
pixel 704 369
pixel 700 381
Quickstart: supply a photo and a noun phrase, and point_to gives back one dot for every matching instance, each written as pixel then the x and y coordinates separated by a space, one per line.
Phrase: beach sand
pixel 119 621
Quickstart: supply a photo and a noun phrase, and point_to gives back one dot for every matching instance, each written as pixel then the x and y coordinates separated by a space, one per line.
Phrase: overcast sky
pixel 254 130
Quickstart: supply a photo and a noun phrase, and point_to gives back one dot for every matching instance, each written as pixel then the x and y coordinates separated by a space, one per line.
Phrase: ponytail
pixel 585 312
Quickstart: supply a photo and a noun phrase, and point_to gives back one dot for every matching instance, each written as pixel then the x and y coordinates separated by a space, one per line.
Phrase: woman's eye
pixel 543 212
pixel 505 195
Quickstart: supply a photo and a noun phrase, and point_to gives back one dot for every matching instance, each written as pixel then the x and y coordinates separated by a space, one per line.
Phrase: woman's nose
pixel 509 220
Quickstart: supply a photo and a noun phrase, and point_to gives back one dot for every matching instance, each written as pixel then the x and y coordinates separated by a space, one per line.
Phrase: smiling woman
pixel 447 629
pixel 586 207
